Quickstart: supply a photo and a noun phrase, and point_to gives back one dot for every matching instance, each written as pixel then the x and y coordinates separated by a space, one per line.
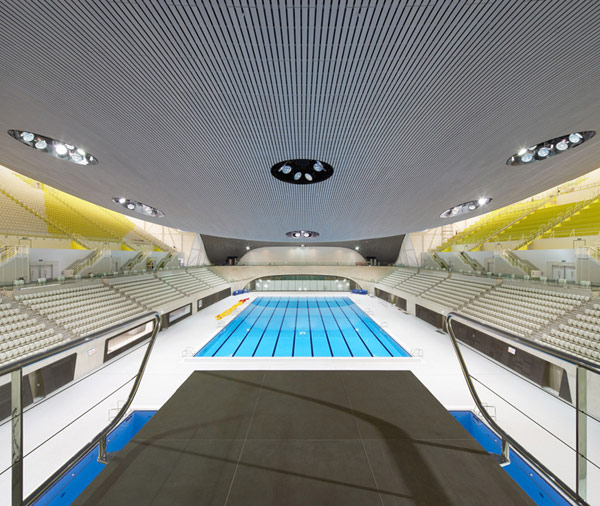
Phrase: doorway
pixel 564 272
pixel 41 271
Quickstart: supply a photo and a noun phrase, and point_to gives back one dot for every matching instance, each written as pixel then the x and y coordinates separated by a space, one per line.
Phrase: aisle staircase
pixel 523 265
pixel 471 262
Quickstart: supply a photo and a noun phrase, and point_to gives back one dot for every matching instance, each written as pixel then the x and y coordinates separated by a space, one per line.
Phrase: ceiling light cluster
pixel 465 207
pixel 56 148
pixel 302 234
pixel 138 207
pixel 550 148
pixel 302 171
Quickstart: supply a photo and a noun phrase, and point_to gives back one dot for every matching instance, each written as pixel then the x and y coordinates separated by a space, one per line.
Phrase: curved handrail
pixel 507 439
pixel 100 438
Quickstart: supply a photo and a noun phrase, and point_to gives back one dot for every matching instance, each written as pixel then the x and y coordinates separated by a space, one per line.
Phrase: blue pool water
pixel 302 327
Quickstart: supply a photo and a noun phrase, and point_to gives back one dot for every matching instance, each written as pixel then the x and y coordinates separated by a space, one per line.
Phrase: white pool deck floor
pixel 57 426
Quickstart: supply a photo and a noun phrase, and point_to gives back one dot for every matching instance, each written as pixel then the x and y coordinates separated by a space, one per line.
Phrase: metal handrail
pixel 16 370
pixel 507 440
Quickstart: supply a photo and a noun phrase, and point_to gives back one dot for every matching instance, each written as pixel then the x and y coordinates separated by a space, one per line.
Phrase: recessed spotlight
pixel 139 207
pixel 306 234
pixel 247 248
pixel 54 147
pixel 302 245
pixel 465 207
pixel 550 148
pixel 526 158
pixel 543 152
pixel 302 171
pixel 575 138
pixel 562 145
pixel 60 149
pixel 356 248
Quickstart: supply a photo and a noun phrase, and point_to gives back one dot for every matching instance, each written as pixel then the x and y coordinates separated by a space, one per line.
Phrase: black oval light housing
pixel 302 171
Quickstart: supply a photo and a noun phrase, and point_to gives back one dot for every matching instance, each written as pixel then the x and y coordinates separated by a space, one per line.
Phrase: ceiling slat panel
pixel 188 104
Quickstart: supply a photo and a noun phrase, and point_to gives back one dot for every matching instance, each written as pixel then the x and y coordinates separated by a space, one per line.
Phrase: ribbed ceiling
pixel 187 105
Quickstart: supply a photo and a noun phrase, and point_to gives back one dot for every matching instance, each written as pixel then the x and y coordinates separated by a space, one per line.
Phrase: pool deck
pixel 303 437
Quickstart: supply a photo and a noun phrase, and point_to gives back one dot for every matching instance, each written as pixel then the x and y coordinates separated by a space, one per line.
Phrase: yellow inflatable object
pixel 231 309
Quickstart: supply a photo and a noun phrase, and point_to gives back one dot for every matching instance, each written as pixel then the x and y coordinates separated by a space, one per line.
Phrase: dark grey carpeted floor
pixel 303 438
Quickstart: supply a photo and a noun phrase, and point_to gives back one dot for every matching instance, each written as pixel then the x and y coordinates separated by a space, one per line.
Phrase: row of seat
pixel 490 317
pixel 206 276
pixel 60 293
pixel 149 291
pixel 185 282
pixel 82 309
pixel 419 283
pixel 396 277
pixel 586 322
pixel 575 348
pixel 540 291
pixel 22 334
pixel 19 342
pixel 105 320
pixel 24 331
pixel 577 332
pixel 455 293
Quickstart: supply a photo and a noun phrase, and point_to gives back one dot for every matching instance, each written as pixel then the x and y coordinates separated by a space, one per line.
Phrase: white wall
pixel 60 259
pixel 295 255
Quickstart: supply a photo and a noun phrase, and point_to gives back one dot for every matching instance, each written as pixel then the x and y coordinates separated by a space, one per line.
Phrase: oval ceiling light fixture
pixel 552 147
pixel 465 207
pixel 139 207
pixel 302 234
pixel 302 171
pixel 56 148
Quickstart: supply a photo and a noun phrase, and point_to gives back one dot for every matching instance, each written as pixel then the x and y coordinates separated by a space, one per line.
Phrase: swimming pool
pixel 302 327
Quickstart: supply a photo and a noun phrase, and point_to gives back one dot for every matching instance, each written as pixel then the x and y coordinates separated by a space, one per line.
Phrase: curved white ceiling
pixel 417 105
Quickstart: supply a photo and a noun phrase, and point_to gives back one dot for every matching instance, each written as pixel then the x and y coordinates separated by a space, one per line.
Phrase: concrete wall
pixel 240 276
pixel 295 255
pixel 14 268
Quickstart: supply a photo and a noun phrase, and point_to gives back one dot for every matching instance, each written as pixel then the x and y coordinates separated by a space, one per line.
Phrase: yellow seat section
pixel 522 229
pixel 584 222
pixel 491 223
pixel 15 219
pixel 84 218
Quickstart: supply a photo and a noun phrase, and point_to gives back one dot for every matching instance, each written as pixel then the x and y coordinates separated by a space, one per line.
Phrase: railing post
pixel 505 460
pixel 102 453
pixel 581 432
pixel 16 399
